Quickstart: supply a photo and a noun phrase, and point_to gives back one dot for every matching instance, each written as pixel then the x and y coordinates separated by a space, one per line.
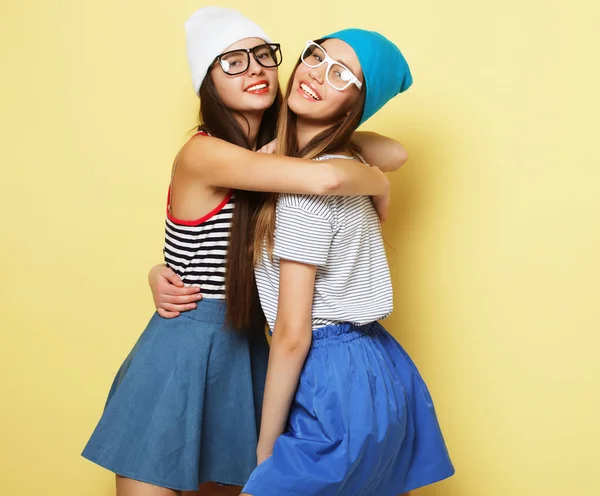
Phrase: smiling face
pixel 313 98
pixel 252 91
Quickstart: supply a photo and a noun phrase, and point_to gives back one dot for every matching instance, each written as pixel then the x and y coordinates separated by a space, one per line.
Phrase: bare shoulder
pixel 194 152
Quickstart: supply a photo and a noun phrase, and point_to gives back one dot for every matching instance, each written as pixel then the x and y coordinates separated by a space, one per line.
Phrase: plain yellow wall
pixel 494 236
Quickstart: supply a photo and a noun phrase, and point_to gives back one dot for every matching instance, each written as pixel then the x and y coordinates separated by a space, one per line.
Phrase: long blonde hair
pixel 334 138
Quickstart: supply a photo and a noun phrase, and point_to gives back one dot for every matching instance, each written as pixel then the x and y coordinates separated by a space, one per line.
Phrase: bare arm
pixel 291 341
pixel 380 151
pixel 221 164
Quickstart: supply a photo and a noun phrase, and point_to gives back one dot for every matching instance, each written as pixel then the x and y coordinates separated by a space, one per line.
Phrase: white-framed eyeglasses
pixel 337 74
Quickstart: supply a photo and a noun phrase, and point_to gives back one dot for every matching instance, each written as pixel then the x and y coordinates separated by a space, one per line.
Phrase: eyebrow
pixel 344 63
pixel 338 60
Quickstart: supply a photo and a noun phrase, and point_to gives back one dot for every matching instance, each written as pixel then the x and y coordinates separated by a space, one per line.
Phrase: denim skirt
pixel 362 422
pixel 184 407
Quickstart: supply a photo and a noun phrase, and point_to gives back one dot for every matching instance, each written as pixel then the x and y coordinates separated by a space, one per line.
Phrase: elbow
pixel 292 342
pixel 397 159
pixel 400 157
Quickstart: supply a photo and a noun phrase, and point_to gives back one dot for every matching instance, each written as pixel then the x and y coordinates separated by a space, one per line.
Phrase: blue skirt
pixel 362 423
pixel 184 407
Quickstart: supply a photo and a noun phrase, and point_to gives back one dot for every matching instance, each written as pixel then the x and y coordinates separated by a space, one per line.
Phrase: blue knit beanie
pixel 384 68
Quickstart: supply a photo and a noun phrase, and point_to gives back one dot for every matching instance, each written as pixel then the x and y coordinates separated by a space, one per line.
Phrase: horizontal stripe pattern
pixel 198 253
pixel 342 237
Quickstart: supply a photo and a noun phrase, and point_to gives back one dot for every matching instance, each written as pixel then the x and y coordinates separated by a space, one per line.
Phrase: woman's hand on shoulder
pixel 269 147
pixel 382 204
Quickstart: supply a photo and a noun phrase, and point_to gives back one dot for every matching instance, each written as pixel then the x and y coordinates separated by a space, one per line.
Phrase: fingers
pixel 178 300
pixel 382 206
pixel 170 276
pixel 382 211
pixel 166 315
pixel 384 214
pixel 167 289
pixel 176 308
pixel 268 148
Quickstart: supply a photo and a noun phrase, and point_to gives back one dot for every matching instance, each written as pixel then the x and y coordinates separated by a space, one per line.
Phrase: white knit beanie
pixel 209 31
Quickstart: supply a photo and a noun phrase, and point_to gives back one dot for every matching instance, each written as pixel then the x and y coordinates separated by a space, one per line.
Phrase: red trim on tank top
pixel 204 218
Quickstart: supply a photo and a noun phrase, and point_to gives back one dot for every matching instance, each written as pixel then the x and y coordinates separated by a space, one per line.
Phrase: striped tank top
pixel 197 250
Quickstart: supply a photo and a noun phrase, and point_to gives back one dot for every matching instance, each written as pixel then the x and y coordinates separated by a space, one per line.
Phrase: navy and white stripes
pixel 197 250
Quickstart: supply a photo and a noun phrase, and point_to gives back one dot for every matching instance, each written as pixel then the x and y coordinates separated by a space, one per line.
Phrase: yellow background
pixel 494 236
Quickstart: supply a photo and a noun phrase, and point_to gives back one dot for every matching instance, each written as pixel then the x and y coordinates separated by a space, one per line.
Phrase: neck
pixel 307 130
pixel 250 123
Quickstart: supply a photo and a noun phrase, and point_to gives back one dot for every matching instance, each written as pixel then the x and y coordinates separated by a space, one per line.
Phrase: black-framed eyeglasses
pixel 237 61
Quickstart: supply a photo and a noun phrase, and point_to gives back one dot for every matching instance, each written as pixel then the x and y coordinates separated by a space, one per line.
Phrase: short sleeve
pixel 304 230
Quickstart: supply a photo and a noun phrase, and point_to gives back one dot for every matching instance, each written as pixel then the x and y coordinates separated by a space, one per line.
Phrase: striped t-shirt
pixel 342 237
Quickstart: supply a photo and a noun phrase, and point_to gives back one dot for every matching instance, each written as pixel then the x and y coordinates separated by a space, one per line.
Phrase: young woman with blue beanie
pixel 184 408
pixel 345 411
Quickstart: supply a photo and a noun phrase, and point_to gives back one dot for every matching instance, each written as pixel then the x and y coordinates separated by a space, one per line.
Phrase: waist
pixel 210 278
pixel 343 332
pixel 207 310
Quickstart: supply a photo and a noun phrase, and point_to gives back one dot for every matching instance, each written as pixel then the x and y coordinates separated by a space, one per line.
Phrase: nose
pixel 255 69
pixel 318 73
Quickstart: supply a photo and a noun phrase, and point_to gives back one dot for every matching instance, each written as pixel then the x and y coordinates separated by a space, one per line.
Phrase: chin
pixel 261 108
pixel 262 103
pixel 297 105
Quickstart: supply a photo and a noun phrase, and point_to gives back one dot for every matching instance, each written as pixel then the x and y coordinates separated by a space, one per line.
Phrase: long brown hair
pixel 243 310
pixel 333 139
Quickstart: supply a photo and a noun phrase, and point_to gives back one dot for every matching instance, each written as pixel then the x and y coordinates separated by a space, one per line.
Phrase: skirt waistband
pixel 208 310
pixel 342 333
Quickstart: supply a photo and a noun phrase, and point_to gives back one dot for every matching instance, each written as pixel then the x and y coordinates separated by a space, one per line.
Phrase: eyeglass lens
pixel 339 76
pixel 238 61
